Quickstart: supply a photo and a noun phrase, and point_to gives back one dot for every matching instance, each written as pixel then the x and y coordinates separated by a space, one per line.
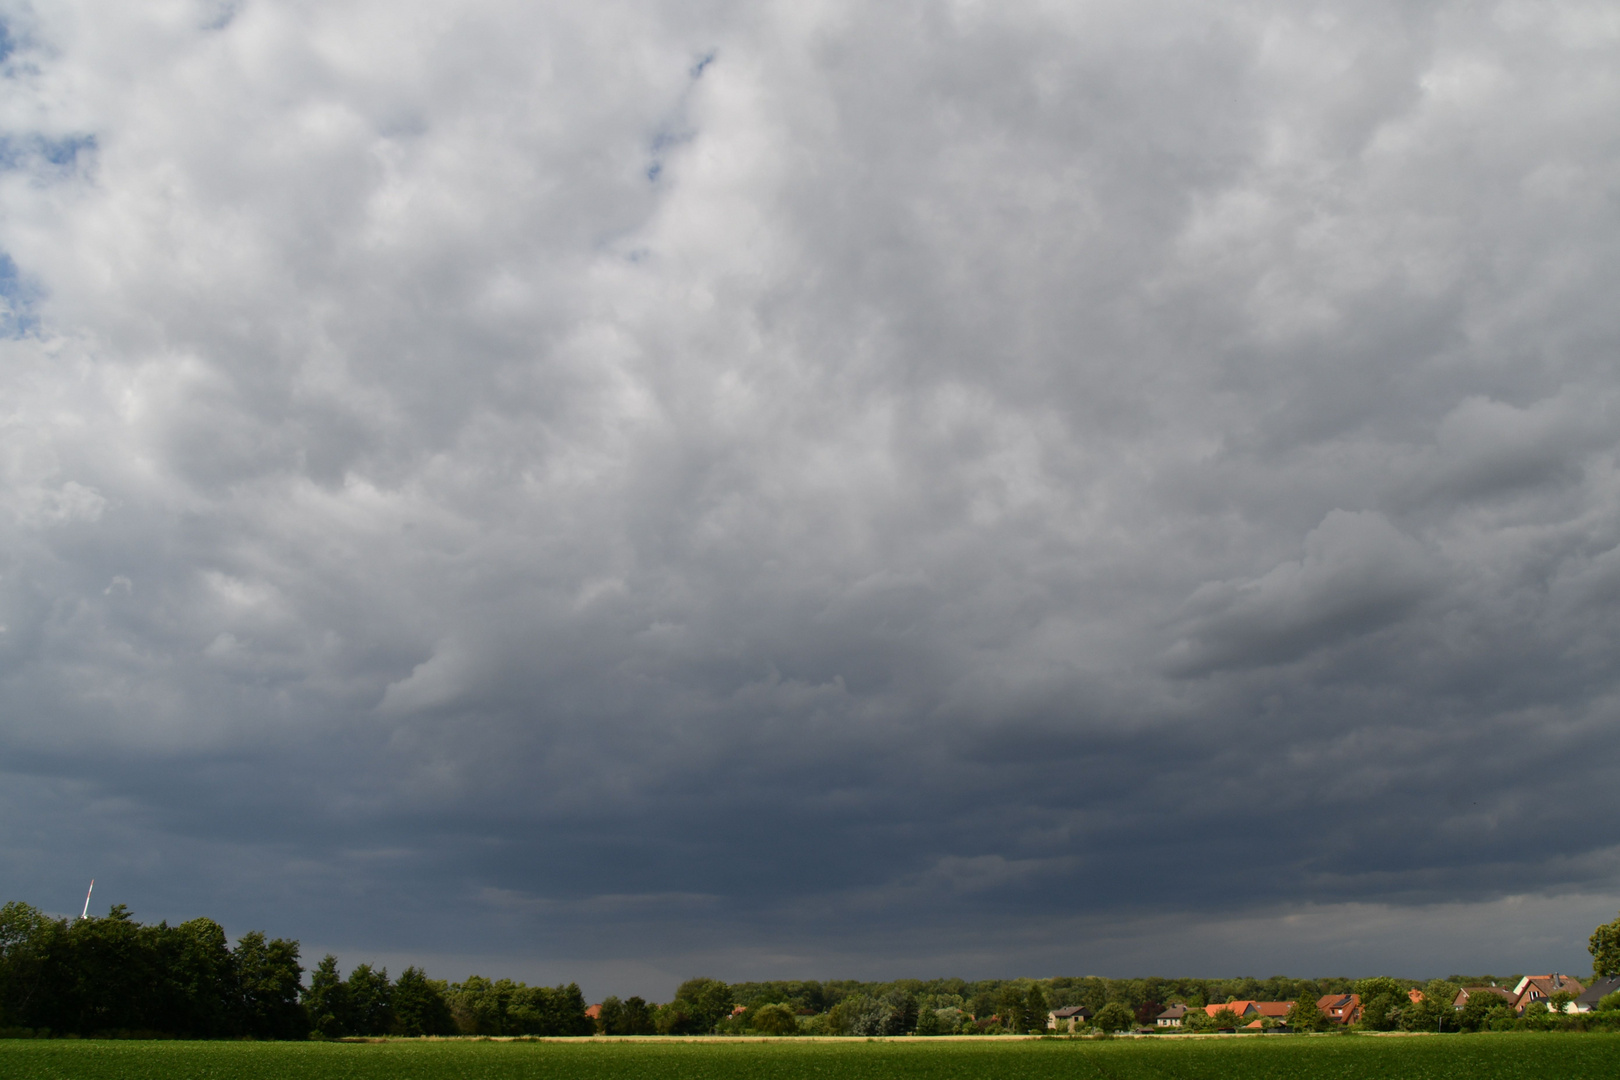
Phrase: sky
pixel 623 491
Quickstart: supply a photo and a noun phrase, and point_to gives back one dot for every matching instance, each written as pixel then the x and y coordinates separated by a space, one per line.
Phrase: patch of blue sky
pixel 661 141
pixel 17 299
pixel 8 45
pixel 53 158
pixel 669 136
pixel 220 14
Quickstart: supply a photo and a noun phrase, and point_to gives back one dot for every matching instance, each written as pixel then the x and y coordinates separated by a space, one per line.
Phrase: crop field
pixel 1464 1057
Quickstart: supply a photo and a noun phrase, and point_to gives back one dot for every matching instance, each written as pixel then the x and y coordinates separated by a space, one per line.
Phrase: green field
pixel 1465 1057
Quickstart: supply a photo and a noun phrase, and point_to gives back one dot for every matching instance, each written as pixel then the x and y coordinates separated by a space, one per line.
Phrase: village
pixel 1553 992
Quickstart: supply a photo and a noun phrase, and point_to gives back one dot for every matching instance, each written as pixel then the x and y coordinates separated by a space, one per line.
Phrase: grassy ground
pixel 1465 1057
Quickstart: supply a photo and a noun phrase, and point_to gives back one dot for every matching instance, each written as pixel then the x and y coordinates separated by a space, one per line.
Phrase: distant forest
pixel 113 976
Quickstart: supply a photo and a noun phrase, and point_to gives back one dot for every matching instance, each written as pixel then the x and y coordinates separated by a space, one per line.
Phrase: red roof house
pixel 1340 1008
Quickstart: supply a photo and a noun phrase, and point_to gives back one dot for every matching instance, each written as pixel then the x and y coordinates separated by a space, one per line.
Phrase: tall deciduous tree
pixel 419 1007
pixel 327 1000
pixel 1114 1016
pixel 371 1004
pixel 268 979
pixel 1604 945
pixel 636 1018
pixel 1303 1015
pixel 705 1002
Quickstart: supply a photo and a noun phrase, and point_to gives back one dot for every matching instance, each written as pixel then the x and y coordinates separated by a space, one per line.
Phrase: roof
pixel 1536 987
pixel 1600 989
pixel 1174 1012
pixel 1071 1010
pixel 1239 1008
pixel 593 1011
pixel 1469 991
pixel 1343 1008
pixel 1273 1008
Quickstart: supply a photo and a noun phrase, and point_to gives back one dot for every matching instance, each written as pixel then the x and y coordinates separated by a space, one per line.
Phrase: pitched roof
pixel 1240 1008
pixel 1273 1008
pixel 1174 1012
pixel 1536 987
pixel 1342 1008
pixel 1071 1010
pixel 1600 989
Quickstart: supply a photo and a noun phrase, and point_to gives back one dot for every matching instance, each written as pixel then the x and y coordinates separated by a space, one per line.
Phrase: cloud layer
pixel 773 487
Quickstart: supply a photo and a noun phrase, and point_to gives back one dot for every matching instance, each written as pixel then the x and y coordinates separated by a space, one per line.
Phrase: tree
pixel 705 1003
pixel 1303 1015
pixel 197 980
pixel 610 1017
pixel 1036 1011
pixel 268 980
pixel 371 1006
pixel 1479 1011
pixel 1382 1002
pixel 774 1019
pixel 1014 1008
pixel 419 1007
pixel 564 1011
pixel 866 1015
pixel 636 1018
pixel 1609 1002
pixel 1435 1012
pixel 1604 945
pixel 927 1021
pixel 1115 1016
pixel 479 1006
pixel 327 1000
pixel 30 947
pixel 675 1018
pixel 111 973
pixel 1226 1018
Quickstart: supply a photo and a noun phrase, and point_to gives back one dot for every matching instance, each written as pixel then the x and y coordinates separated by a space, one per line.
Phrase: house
pixel 1072 1017
pixel 1469 992
pixel 1275 1010
pixel 1534 988
pixel 1171 1017
pixel 1600 989
pixel 1341 1008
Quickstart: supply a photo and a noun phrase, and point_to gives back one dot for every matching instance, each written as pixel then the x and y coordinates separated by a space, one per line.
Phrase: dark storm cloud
pixel 1009 481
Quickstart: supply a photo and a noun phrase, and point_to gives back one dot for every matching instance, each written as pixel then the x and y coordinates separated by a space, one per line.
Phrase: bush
pixel 774 1020
pixel 1114 1017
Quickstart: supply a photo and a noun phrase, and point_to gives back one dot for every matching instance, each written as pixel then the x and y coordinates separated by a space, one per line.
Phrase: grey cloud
pixel 1358 574
pixel 1001 449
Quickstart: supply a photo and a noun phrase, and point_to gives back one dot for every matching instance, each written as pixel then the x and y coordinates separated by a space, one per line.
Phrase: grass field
pixel 1465 1057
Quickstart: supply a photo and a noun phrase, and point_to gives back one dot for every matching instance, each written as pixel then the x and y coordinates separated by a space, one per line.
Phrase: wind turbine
pixel 86 913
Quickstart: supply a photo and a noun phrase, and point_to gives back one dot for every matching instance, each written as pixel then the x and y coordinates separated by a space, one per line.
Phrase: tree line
pixel 111 975
pixel 114 976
